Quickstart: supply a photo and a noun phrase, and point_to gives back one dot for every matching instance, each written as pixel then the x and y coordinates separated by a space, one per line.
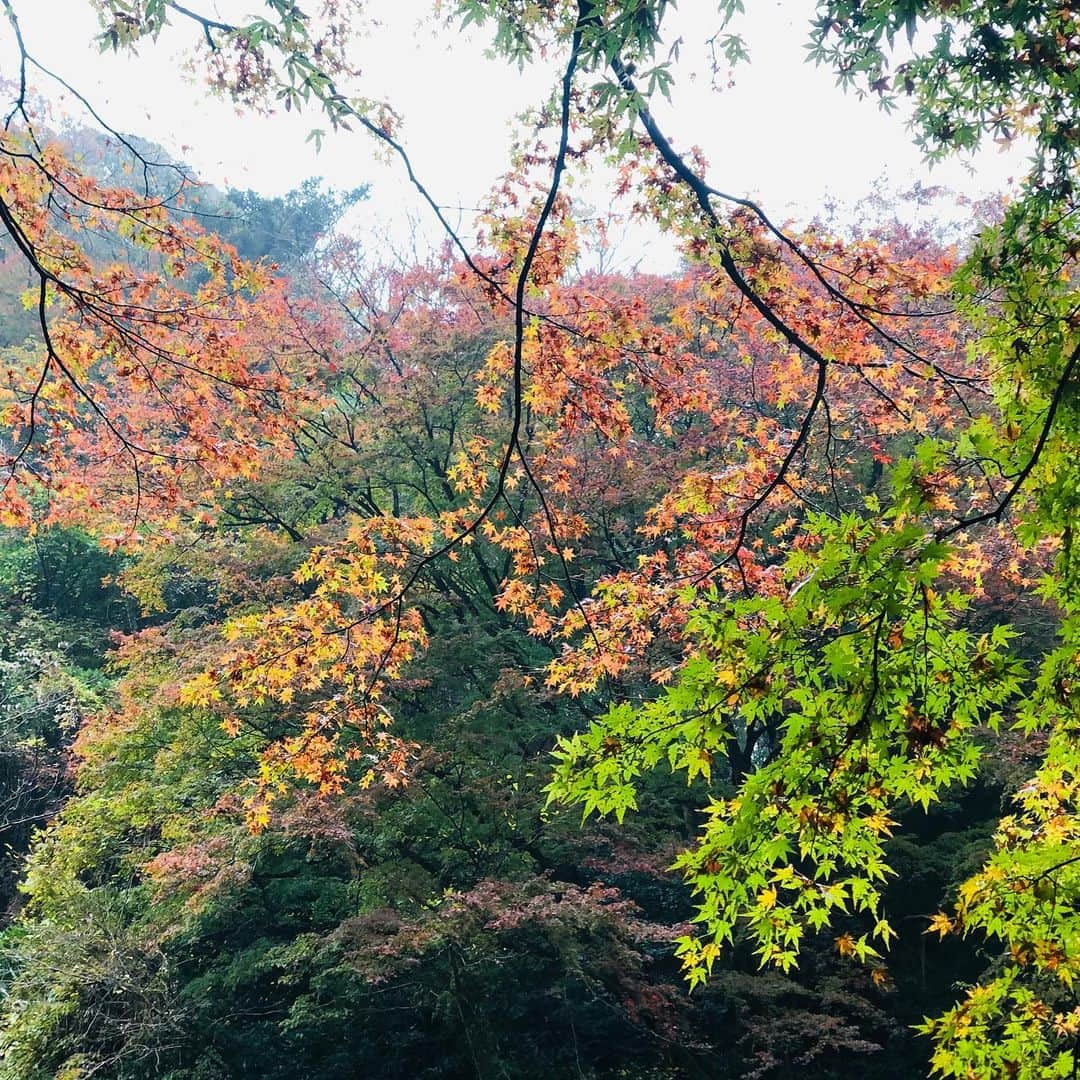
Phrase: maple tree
pixel 391 909
pixel 849 447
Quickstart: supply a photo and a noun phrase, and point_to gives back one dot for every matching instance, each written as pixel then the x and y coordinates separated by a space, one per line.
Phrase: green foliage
pixel 285 229
pixel 868 696
pixel 67 575
pixel 354 934
pixel 976 68
pixel 52 636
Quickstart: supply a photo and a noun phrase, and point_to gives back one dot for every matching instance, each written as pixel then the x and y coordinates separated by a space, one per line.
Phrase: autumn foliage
pixel 460 544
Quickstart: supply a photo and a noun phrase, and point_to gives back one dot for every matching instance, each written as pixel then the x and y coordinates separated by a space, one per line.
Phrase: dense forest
pixel 482 663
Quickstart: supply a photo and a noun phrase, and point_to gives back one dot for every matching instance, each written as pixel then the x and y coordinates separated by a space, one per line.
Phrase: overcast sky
pixel 783 134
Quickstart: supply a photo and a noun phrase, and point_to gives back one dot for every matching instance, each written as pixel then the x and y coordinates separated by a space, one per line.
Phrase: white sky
pixel 784 134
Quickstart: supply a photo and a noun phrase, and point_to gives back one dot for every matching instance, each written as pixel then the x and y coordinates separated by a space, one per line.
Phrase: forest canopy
pixel 484 663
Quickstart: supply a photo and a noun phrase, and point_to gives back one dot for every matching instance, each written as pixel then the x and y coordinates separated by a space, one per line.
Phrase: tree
pixel 288 228
pixel 361 926
pixel 831 654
